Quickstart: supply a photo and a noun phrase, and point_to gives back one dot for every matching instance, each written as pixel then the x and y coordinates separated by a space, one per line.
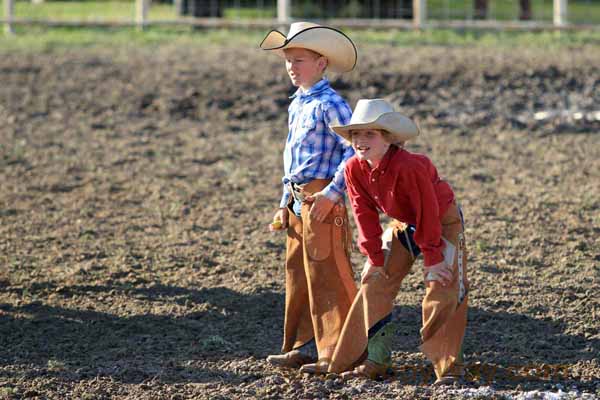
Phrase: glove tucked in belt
pixel 297 192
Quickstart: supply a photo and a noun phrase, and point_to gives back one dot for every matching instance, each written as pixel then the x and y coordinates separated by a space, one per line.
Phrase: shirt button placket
pixel 375 188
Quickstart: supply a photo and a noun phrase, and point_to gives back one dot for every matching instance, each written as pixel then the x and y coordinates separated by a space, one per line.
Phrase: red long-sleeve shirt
pixel 405 186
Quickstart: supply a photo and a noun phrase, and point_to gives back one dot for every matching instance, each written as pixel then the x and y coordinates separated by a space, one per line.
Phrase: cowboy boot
pixel 379 358
pixel 455 374
pixel 380 345
pixel 317 368
pixel 291 359
pixel 368 369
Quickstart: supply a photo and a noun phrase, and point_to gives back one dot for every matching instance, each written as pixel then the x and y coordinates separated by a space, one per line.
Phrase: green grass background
pixel 88 10
pixel 579 11
pixel 37 38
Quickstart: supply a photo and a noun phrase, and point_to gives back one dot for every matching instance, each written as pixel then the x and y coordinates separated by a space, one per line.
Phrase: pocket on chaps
pixel 317 236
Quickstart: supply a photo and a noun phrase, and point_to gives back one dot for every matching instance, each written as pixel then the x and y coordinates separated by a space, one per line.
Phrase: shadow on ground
pixel 226 324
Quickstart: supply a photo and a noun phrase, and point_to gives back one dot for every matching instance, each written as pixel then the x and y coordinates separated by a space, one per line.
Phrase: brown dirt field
pixel 137 185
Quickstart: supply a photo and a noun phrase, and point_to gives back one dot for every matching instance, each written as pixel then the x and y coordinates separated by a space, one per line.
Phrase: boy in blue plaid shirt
pixel 319 280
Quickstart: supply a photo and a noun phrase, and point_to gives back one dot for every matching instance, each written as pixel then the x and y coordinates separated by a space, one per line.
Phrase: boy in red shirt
pixel 383 177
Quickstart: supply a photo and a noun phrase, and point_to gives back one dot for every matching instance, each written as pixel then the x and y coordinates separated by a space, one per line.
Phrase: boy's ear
pixel 323 62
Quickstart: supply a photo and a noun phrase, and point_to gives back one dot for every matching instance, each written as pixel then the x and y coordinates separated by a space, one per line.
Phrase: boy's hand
pixel 440 272
pixel 369 270
pixel 321 206
pixel 280 220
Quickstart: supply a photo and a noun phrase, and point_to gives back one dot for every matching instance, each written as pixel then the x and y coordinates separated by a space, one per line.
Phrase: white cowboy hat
pixel 378 114
pixel 329 42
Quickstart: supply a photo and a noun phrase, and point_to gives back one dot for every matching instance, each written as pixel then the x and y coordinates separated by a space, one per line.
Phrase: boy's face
pixel 369 145
pixel 304 67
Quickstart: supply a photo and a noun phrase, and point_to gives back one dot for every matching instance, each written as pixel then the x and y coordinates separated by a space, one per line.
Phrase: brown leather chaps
pixel 319 279
pixel 444 318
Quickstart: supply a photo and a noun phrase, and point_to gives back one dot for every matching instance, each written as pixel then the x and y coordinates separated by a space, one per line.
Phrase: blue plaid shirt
pixel 312 150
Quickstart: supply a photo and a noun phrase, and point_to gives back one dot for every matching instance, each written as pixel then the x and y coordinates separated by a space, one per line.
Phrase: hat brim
pixel 339 49
pixel 400 127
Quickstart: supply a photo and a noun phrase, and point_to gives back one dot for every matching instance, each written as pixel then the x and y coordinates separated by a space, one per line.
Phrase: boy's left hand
pixel 321 206
pixel 440 272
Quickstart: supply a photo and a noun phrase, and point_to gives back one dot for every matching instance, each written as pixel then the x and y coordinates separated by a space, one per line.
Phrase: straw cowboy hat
pixel 329 42
pixel 378 114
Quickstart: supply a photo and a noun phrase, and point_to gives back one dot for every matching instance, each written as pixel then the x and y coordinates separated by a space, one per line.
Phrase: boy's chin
pixel 296 82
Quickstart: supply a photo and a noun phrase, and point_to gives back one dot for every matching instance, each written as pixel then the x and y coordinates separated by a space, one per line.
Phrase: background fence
pixel 422 14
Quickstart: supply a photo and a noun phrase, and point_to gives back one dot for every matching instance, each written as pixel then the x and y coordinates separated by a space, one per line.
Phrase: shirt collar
pixel 317 88
pixel 389 154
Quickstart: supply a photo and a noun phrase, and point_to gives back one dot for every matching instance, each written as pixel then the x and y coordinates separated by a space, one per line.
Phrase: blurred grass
pixel 579 11
pixel 249 13
pixel 37 38
pixel 88 10
pixel 486 38
pixel 40 39
pixel 584 11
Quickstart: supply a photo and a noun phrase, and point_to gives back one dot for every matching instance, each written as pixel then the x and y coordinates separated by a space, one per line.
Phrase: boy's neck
pixel 306 88
pixel 374 162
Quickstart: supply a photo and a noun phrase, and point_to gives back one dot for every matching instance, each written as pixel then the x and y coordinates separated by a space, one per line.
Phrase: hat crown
pixel 297 27
pixel 368 110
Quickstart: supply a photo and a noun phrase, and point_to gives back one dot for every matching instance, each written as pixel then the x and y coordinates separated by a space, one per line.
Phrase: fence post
pixel 180 7
pixel 560 12
pixel 141 13
pixel 283 11
pixel 419 13
pixel 9 12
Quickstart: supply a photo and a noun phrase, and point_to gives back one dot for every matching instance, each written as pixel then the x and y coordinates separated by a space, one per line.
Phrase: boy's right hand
pixel 280 220
pixel 370 270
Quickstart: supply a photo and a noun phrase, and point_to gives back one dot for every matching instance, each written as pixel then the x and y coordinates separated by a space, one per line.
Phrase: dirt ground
pixel 136 186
